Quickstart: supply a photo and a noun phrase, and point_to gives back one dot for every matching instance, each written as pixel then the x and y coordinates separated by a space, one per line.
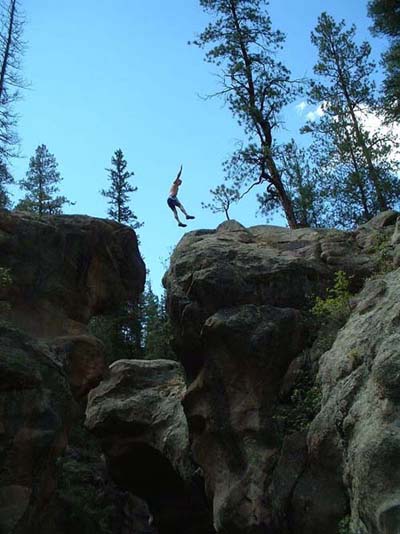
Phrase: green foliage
pixel 6 179
pixel 121 332
pixel 82 485
pixel 156 327
pixel 12 48
pixel 256 86
pixel 386 17
pixel 223 198
pixel 336 303
pixel 301 181
pixel 344 525
pixel 383 250
pixel 5 282
pixel 42 184
pixel 119 191
pixel 302 402
pixel 5 277
pixel 302 406
pixel 137 331
pixel 357 167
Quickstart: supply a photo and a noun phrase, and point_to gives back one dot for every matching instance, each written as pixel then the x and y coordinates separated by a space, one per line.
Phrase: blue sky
pixel 108 74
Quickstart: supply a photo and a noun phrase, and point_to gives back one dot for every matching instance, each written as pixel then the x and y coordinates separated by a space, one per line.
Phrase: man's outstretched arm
pixel 178 176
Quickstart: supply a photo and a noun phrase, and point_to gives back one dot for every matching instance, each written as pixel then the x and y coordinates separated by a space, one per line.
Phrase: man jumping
pixel 173 201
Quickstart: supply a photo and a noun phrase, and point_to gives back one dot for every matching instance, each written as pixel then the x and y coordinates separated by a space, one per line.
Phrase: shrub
pixel 336 303
pixel 5 281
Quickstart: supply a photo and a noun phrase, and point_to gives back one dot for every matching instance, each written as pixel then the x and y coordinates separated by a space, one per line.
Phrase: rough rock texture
pixel 237 299
pixel 359 420
pixel 35 415
pixel 83 357
pixel 233 266
pixel 138 416
pixel 229 407
pixel 65 269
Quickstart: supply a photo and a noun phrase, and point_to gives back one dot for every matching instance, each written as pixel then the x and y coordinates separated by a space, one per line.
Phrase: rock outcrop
pixel 269 426
pixel 137 415
pixel 36 413
pixel 61 271
pixel 65 269
pixel 238 300
pixel 358 424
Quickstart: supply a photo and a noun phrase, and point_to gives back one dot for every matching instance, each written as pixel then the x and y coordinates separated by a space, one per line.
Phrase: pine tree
pixel 255 85
pixel 6 179
pixel 156 327
pixel 386 17
pixel 121 332
pixel 42 184
pixel 119 191
pixel 223 198
pixel 346 92
pixel 12 48
pixel 302 181
pixel 343 182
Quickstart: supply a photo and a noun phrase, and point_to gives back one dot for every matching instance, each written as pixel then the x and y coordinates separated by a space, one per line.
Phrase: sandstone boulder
pixel 233 266
pixel 83 358
pixel 137 415
pixel 62 271
pixel 229 409
pixel 65 269
pixel 238 300
pixel 36 412
pixel 358 423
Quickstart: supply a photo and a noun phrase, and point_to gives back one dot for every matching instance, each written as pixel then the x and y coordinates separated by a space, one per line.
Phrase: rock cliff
pixel 277 422
pixel 59 272
pixel 290 438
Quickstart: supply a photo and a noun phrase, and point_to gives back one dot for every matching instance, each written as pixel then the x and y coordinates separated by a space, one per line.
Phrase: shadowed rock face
pixel 64 269
pixel 67 268
pixel 229 407
pixel 138 416
pixel 36 409
pixel 83 358
pixel 236 298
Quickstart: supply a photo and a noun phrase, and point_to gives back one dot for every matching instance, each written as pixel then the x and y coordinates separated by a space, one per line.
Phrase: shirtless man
pixel 173 201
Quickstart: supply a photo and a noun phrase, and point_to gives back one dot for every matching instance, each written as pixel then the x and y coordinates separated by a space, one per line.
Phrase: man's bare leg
pixel 177 218
pixel 184 212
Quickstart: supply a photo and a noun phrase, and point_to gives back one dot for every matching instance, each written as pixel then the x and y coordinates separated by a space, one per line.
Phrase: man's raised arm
pixel 178 176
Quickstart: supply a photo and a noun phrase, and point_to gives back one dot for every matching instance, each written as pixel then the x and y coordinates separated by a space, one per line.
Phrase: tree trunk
pixel 360 185
pixel 263 128
pixel 373 174
pixel 6 55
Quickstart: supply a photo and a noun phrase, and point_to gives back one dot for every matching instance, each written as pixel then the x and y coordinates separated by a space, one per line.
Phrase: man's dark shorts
pixel 173 202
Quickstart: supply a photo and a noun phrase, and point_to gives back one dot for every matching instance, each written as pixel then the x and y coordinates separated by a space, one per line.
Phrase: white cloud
pixel 374 124
pixel 301 107
pixel 318 112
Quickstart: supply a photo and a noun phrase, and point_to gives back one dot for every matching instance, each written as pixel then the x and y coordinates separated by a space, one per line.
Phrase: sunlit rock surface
pixel 238 300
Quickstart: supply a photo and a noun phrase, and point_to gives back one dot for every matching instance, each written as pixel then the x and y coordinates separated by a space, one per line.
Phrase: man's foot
pixel 181 224
pixel 189 216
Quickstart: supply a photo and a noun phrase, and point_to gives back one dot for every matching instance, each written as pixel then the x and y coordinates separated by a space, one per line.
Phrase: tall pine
pixel 346 92
pixel 42 185
pixel 302 182
pixel 386 17
pixel 119 191
pixel 241 42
